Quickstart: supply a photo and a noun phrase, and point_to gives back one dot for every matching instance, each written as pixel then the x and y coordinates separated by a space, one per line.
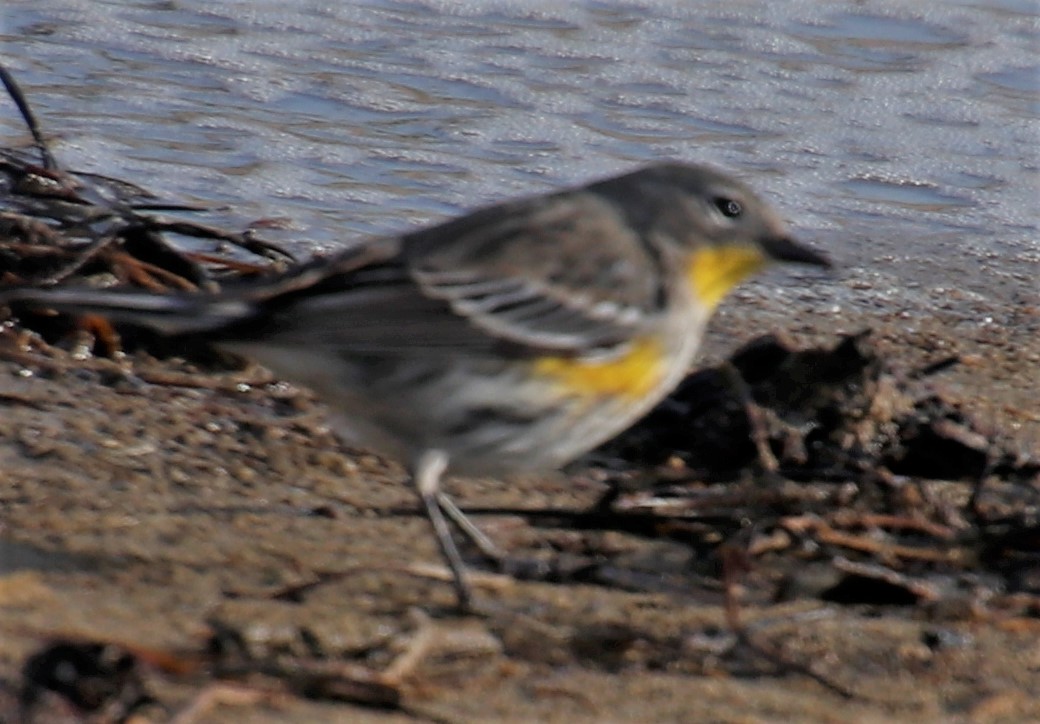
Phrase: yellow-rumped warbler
pixel 517 337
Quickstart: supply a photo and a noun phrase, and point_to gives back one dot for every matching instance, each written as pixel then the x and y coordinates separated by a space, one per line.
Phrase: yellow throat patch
pixel 634 374
pixel 716 270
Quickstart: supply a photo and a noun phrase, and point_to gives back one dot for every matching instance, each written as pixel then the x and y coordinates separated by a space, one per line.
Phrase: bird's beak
pixel 784 248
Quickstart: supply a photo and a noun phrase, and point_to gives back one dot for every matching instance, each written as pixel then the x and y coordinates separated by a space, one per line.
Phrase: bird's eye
pixel 728 207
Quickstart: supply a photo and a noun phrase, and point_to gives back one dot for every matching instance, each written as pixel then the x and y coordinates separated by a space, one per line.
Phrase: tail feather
pixel 169 314
pixel 185 314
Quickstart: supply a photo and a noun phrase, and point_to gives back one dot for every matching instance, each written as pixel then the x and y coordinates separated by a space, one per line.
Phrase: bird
pixel 513 338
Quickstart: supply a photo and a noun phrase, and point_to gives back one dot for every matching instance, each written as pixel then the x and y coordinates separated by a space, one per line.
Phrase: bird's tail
pixel 231 309
pixel 168 314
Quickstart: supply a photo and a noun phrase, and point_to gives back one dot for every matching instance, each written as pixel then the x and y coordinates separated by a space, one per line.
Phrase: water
pixel 902 137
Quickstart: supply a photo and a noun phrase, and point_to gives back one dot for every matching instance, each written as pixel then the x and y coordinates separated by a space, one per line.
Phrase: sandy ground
pixel 141 504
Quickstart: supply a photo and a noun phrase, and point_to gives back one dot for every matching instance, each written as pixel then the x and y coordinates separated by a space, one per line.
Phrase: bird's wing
pixel 562 273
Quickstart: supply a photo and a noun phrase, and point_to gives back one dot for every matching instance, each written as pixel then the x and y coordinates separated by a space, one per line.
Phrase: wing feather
pixel 564 272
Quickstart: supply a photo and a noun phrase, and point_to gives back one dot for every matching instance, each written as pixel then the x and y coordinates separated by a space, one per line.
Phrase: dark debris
pixel 825 413
pixel 85 679
pixel 107 681
pixel 873 475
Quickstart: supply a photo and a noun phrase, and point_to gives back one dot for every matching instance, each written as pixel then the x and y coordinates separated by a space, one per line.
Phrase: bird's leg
pixel 429 468
pixel 469 528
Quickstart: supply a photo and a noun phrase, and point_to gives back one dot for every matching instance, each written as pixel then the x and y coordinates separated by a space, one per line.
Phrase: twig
pixel 13 89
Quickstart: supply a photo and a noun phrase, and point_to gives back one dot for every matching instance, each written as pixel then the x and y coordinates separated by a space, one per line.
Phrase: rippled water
pixel 903 137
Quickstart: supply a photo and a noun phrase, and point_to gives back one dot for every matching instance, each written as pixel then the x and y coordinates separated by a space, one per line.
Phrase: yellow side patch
pixel 716 270
pixel 634 374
